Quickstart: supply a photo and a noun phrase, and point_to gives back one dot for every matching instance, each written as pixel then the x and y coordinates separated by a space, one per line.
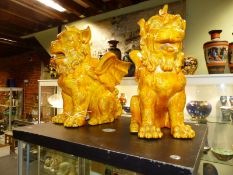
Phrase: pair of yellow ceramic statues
pixel 88 84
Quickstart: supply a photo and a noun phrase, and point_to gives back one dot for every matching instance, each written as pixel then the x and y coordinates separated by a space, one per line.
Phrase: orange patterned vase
pixel 230 56
pixel 215 53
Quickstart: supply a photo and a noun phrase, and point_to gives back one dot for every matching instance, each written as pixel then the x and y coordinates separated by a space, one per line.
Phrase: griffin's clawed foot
pixel 60 118
pixel 149 131
pixel 100 120
pixel 183 131
pixel 75 121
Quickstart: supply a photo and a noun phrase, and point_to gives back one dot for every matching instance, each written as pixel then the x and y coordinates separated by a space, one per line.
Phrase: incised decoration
pixel 161 84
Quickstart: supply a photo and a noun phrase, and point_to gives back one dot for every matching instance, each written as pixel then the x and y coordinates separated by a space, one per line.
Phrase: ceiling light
pixel 82 16
pixel 5 39
pixel 82 3
pixel 52 4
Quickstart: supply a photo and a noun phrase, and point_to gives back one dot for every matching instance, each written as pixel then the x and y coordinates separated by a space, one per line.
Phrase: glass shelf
pixel 4 105
pixel 208 120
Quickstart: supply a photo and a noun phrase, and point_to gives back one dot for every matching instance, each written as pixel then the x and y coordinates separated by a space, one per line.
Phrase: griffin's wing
pixel 135 56
pixel 111 70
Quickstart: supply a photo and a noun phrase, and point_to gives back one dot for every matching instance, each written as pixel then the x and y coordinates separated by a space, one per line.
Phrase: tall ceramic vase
pixel 215 53
pixel 113 48
pixel 230 56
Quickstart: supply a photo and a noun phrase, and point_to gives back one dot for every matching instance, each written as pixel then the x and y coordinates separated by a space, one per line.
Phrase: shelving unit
pixel 220 132
pixel 199 87
pixel 47 88
pixel 11 100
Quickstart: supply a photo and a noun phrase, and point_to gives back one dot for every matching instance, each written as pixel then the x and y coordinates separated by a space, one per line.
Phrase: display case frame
pixel 204 87
pixel 201 87
pixel 42 84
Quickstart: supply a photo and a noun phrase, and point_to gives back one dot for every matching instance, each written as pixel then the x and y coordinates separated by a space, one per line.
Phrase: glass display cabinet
pixel 213 97
pixel 11 105
pixel 50 100
pixel 215 92
pixel 92 150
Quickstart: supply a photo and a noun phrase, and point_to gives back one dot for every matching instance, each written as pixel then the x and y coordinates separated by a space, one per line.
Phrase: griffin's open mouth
pixel 168 47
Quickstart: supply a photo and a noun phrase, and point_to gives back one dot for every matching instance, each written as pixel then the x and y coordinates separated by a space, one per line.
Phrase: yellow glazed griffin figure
pixel 161 84
pixel 88 84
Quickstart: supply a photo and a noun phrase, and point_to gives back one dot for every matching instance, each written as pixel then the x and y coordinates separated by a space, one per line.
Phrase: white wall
pixel 45 37
pixel 203 16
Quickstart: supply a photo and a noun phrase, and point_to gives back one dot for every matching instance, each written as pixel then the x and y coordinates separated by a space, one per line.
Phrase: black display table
pixel 120 148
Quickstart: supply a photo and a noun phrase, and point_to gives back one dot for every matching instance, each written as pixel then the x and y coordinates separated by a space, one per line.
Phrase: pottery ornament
pixel 161 82
pixel 88 84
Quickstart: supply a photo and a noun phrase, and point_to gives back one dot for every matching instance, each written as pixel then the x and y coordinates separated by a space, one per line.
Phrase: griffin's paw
pixel 150 132
pixel 100 120
pixel 75 121
pixel 59 119
pixel 134 127
pixel 183 131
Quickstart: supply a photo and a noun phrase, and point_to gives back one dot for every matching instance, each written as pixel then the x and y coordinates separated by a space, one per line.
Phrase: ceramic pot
pixel 226 113
pixel 215 53
pixel 222 153
pixel 231 100
pixel 209 169
pixel 113 48
pixel 190 65
pixel 232 119
pixel 199 110
pixel 131 69
pixel 230 56
pixel 223 100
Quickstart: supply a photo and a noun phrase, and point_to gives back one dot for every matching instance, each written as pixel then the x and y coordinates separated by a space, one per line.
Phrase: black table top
pixel 120 148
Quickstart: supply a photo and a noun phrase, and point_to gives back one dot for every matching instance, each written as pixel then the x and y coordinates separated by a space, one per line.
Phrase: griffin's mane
pixel 76 44
pixel 159 30
pixel 72 48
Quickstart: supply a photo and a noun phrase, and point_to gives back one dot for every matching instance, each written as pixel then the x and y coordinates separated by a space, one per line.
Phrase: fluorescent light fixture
pixel 82 3
pixel 5 39
pixel 52 4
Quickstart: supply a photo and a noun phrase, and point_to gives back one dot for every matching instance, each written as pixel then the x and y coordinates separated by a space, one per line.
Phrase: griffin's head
pixel 163 28
pixel 70 48
pixel 161 41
